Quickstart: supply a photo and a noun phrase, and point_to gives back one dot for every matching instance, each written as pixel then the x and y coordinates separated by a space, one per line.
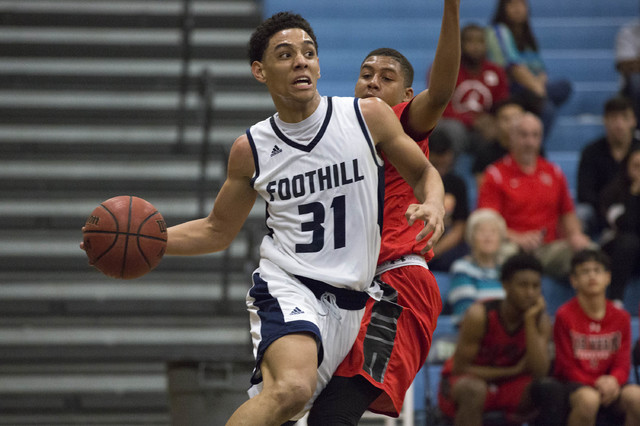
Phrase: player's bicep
pixel 400 149
pixel 236 197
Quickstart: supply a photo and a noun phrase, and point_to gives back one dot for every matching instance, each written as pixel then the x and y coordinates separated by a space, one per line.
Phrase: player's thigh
pixel 291 360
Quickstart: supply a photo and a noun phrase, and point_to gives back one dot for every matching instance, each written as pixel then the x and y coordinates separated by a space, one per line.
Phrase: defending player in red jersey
pixel 395 335
pixel 502 347
pixel 593 347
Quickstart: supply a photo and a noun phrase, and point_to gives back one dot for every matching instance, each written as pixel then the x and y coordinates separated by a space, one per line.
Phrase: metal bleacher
pixel 90 108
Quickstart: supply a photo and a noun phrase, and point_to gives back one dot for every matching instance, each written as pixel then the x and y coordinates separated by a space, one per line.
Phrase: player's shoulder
pixel 373 105
pixel 241 156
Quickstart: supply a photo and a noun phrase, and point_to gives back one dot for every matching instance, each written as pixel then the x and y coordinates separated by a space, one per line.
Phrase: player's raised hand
pixel 432 214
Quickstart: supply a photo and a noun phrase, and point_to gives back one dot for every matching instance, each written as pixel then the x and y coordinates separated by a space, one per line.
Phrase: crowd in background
pixel 502 77
pixel 526 225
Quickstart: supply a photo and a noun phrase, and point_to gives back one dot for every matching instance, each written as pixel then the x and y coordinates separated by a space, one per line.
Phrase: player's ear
pixel 258 71
pixel 319 72
pixel 408 94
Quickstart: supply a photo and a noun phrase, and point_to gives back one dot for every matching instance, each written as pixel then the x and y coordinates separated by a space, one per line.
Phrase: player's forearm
pixel 537 354
pixel 446 63
pixel 193 238
pixel 429 188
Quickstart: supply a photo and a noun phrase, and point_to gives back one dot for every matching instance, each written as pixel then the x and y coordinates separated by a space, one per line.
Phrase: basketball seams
pixel 126 241
pixel 115 240
pixel 138 235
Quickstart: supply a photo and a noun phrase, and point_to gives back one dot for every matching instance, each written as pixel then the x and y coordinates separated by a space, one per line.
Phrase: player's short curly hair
pixel 278 22
pixel 405 65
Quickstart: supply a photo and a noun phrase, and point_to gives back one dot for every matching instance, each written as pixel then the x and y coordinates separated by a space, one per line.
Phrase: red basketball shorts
pixel 505 395
pixel 395 335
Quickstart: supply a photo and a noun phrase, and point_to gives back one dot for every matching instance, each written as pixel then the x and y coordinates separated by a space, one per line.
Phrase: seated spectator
pixel 600 160
pixel 628 62
pixel 593 348
pixel 467 121
pixel 621 237
pixel 503 345
pixel 532 196
pixel 451 245
pixel 477 275
pixel 504 113
pixel 512 44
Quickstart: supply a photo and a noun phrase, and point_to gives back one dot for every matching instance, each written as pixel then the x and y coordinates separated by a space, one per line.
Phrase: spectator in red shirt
pixel 532 196
pixel 466 121
pixel 593 348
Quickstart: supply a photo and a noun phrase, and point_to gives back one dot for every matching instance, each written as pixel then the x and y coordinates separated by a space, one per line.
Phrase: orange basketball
pixel 125 237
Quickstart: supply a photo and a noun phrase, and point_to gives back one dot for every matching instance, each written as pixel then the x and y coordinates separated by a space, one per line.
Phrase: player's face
pixel 524 289
pixel 473 46
pixel 486 238
pixel 381 76
pixel 620 125
pixel 590 278
pixel 290 66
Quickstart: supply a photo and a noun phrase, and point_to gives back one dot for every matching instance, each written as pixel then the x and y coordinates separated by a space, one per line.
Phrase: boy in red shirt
pixel 593 347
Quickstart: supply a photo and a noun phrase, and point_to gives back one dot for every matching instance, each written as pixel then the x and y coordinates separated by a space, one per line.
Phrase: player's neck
pixel 594 306
pixel 294 111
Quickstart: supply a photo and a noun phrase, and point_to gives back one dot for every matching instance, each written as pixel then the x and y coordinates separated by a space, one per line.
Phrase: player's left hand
pixel 432 214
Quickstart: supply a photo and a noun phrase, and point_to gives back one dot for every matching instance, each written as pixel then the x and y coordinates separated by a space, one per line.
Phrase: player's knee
pixel 470 391
pixel 293 393
pixel 585 402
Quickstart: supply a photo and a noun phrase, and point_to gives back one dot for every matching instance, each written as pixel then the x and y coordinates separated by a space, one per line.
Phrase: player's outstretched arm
pixel 230 210
pixel 413 166
pixel 427 107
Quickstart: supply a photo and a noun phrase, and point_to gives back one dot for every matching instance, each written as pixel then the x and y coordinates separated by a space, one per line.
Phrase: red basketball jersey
pixel 499 347
pixel 398 238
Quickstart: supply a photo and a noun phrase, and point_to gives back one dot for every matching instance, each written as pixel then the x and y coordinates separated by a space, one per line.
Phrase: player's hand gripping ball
pixel 125 237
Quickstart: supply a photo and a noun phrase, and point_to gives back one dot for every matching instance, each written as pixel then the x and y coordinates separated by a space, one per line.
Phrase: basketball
pixel 125 237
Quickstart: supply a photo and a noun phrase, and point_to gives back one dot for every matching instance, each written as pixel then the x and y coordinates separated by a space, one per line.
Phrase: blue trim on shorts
pixel 350 300
pixel 273 325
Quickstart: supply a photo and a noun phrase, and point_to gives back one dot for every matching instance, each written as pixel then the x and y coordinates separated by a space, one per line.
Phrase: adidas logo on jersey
pixel 296 311
pixel 276 150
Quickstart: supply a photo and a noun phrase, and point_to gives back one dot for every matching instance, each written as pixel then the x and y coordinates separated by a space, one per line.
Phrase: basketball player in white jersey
pixel 315 163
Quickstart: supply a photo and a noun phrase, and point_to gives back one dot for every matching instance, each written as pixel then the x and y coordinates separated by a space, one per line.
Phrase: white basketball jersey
pixel 324 195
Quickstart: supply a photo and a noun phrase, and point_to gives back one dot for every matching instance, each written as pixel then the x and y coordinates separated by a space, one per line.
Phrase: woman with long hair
pixel 512 44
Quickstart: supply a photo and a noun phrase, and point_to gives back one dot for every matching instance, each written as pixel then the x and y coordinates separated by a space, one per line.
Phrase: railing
pixel 187 29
